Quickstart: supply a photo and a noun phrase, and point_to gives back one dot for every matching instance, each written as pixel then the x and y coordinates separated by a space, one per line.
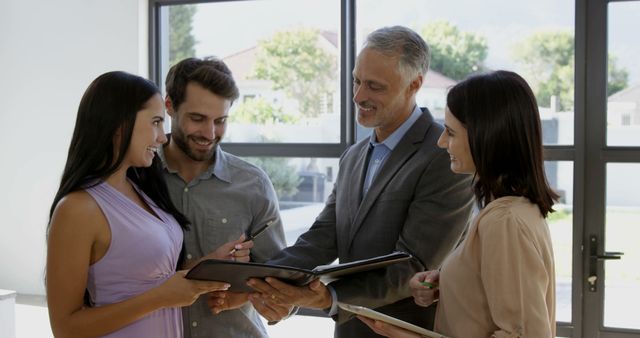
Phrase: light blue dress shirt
pixel 381 150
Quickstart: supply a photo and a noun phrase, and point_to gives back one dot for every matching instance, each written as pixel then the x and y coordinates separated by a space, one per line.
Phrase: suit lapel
pixel 355 187
pixel 402 153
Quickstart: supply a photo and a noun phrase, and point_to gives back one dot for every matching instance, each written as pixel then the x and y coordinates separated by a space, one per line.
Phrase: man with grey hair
pixel 394 192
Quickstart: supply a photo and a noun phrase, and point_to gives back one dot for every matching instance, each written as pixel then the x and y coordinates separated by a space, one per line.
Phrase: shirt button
pixel 224 220
pixel 185 190
pixel 194 323
pixel 189 256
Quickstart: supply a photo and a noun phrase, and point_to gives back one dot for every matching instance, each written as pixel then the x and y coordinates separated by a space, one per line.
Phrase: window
pixel 623 76
pixel 286 64
pixel 584 129
pixel 622 279
pixel 468 36
pixel 302 185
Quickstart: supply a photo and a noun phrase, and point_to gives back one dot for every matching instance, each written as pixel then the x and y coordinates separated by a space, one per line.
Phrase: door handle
pixel 608 255
pixel 594 257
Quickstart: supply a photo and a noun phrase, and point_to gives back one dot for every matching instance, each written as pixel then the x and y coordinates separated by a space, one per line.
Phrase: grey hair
pixel 409 46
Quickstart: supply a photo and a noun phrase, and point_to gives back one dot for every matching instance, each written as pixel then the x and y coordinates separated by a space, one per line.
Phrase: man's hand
pixel 237 250
pixel 271 311
pixel 226 300
pixel 313 296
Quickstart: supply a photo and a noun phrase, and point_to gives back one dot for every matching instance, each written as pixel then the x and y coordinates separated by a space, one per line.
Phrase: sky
pixel 224 28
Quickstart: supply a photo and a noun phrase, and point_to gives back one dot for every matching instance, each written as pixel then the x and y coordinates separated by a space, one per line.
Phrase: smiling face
pixel 199 123
pixel 384 98
pixel 148 133
pixel 455 140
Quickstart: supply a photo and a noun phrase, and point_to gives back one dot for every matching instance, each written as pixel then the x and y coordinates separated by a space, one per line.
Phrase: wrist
pixel 156 299
pixel 327 301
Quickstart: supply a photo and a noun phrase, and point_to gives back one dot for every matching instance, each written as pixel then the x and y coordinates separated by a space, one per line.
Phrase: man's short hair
pixel 211 73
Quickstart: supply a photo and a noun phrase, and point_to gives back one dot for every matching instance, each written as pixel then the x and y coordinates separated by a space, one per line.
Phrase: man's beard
pixel 182 142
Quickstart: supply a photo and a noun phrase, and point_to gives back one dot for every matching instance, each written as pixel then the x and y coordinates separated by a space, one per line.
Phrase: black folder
pixel 237 273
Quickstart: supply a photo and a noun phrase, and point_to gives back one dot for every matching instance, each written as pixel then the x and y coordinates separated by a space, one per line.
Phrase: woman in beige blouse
pixel 500 281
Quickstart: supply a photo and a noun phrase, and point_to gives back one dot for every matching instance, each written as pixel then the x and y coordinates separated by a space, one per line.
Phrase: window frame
pixel 347 59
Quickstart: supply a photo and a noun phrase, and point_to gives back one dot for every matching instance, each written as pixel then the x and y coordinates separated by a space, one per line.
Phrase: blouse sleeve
pixel 514 277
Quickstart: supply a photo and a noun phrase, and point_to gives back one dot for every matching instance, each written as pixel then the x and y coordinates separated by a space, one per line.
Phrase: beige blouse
pixel 500 281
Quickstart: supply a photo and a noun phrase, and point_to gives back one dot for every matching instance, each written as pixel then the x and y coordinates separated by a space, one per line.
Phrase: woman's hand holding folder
pixel 388 330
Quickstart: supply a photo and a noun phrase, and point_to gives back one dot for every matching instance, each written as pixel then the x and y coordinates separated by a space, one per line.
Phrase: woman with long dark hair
pixel 500 281
pixel 114 236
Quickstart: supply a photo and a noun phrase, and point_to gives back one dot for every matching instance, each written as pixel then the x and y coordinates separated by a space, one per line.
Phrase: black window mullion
pixel 559 153
pixel 285 149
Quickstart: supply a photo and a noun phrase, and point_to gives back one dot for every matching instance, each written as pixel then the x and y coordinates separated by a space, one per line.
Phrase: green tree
pixel 260 111
pixel 283 176
pixel 181 41
pixel 618 77
pixel 548 61
pixel 295 63
pixel 454 53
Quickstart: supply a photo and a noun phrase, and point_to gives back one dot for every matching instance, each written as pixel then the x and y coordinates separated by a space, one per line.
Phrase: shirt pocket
pixel 221 228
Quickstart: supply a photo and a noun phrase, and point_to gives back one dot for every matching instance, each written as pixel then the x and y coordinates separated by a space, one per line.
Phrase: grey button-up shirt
pixel 230 197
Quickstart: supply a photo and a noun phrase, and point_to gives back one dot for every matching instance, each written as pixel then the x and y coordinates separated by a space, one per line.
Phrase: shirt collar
pixel 392 141
pixel 219 168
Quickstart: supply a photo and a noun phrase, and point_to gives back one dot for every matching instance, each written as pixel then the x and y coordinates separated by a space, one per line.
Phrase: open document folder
pixel 372 314
pixel 237 273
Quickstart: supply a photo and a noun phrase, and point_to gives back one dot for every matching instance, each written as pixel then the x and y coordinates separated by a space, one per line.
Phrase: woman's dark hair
pixel 108 106
pixel 501 115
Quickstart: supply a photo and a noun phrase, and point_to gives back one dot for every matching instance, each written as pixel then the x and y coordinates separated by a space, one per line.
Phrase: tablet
pixel 366 312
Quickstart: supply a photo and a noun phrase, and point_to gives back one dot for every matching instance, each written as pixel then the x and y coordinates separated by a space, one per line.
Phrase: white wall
pixel 49 52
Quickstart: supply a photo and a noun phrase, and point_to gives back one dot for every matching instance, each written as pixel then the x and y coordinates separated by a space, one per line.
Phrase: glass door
pixel 611 254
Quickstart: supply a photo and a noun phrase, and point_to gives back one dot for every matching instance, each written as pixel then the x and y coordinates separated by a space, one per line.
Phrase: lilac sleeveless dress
pixel 142 255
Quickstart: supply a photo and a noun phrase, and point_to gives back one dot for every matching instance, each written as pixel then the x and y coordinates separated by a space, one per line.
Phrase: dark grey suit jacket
pixel 415 204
